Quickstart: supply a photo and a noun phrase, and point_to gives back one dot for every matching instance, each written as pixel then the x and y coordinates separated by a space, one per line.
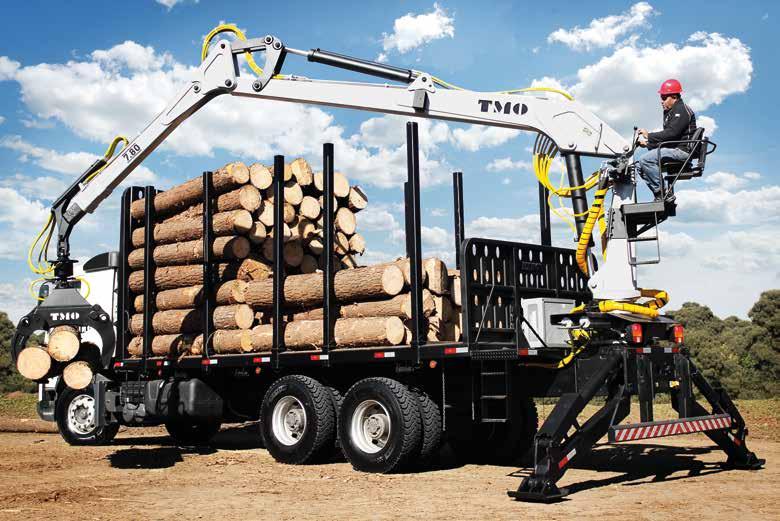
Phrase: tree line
pixel 743 355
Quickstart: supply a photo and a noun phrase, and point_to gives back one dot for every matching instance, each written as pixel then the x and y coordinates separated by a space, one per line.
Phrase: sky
pixel 91 71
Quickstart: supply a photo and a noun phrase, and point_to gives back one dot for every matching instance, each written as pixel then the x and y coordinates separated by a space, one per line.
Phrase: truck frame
pixel 389 407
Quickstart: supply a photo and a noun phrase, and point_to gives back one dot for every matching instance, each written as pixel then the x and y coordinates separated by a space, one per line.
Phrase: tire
pixel 75 416
pixel 338 400
pixel 188 433
pixel 512 443
pixel 298 420
pixel 430 420
pixel 380 427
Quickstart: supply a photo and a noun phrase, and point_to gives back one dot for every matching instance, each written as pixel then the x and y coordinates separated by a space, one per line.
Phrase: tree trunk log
pixel 292 193
pixel 290 214
pixel 345 221
pixel 443 307
pixel 230 292
pixel 237 316
pixel 405 267
pixel 308 264
pixel 260 176
pixel 357 244
pixel 398 306
pixel 226 223
pixel 185 194
pixel 33 363
pixel 169 322
pixel 77 375
pixel 357 199
pixel 302 173
pixel 226 341
pixel 350 285
pixel 64 342
pixel 266 213
pixel 438 281
pixel 257 233
pixel 455 289
pixel 349 332
pixel 340 184
pixel 310 208
pixel 182 276
pixel 162 345
pixel 227 247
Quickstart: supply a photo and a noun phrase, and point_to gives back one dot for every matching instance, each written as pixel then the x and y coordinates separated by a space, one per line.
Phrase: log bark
pixel 64 342
pixel 227 247
pixel 310 208
pixel 77 375
pixel 405 267
pixel 350 285
pixel 357 199
pixel 302 173
pixel 357 244
pixel 438 282
pixel 398 306
pixel 292 193
pixel 257 233
pixel 230 292
pixel 260 176
pixel 349 332
pixel 172 277
pixel 236 222
pixel 237 316
pixel 33 363
pixel 340 184
pixel 162 345
pixel 246 198
pixel 185 194
pixel 169 322
pixel 345 221
pixel 225 341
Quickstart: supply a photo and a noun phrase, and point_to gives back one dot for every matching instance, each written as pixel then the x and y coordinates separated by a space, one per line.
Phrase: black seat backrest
pixel 698 157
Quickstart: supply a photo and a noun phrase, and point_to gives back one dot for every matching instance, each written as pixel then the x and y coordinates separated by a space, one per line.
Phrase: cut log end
pixel 63 343
pixel 33 363
pixel 77 375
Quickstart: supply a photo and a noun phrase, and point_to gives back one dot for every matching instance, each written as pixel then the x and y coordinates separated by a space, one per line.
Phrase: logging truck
pixel 536 320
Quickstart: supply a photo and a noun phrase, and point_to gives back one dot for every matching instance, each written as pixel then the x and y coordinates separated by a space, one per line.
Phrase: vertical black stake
pixel 123 292
pixel 278 331
pixel 419 330
pixel 544 216
pixel 149 296
pixel 330 305
pixel 457 207
pixel 208 265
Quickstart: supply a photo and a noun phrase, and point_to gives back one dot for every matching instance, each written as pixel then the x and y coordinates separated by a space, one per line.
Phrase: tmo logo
pixel 69 315
pixel 496 107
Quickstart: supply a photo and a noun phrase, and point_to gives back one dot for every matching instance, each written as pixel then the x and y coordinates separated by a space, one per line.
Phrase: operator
pixel 679 125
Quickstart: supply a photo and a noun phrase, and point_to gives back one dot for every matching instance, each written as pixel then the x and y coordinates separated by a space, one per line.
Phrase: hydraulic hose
pixel 596 210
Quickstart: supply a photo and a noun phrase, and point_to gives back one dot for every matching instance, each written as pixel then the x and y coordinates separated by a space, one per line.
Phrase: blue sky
pixel 90 71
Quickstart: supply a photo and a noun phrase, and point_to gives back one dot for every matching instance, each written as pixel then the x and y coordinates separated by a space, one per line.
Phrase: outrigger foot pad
pixel 535 491
pixel 752 462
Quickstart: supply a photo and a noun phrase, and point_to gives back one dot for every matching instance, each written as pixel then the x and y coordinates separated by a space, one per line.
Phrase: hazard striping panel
pixel 641 431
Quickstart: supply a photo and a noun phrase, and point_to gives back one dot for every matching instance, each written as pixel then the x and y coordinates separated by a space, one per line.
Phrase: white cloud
pixel 476 137
pixel 2 120
pixel 36 123
pixel 604 32
pixel 72 163
pixel 413 30
pixel 435 237
pixel 708 124
pixel 171 3
pixel 521 229
pixel 21 219
pixel 8 68
pixel 45 187
pixel 16 299
pixel 752 207
pixel 507 163
pixel 675 244
pixel 131 55
pixel 621 88
pixel 725 181
pixel 438 212
pixel 752 175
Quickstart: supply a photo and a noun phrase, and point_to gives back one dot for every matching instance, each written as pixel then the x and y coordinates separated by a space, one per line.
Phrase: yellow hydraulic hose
pixel 639 309
pixel 595 211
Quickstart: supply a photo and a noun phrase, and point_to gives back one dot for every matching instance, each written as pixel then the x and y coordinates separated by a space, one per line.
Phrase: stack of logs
pixel 64 355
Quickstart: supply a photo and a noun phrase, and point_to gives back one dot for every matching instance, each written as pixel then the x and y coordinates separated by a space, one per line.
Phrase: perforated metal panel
pixel 496 275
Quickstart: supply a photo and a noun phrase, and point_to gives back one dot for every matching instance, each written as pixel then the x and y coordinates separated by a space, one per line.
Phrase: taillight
pixel 636 333
pixel 678 333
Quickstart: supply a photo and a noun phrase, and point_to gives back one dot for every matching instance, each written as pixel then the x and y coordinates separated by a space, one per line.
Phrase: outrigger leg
pixel 554 449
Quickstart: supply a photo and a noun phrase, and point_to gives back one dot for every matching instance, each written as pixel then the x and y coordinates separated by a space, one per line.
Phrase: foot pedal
pixel 660 429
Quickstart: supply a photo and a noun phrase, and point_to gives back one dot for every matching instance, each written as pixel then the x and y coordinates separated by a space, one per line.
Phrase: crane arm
pixel 573 127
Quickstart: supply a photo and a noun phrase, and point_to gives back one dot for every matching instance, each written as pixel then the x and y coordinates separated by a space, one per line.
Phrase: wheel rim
pixel 370 427
pixel 81 414
pixel 288 421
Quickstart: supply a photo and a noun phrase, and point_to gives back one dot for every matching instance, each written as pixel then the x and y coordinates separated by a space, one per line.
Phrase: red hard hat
pixel 670 86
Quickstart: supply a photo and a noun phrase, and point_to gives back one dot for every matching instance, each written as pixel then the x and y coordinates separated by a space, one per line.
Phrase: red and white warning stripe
pixel 661 429
pixel 567 458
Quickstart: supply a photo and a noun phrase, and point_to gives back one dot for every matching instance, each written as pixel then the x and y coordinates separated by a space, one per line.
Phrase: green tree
pixel 10 379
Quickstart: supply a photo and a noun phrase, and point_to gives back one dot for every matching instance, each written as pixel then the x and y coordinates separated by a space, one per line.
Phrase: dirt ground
pixel 143 476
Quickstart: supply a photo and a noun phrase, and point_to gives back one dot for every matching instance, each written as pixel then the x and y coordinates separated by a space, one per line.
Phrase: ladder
pixel 645 217
pixel 494 391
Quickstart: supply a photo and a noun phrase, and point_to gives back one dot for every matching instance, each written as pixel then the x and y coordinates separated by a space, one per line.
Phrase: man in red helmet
pixel 679 125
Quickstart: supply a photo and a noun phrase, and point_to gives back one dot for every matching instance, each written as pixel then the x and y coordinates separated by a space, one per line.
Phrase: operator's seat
pixel 693 165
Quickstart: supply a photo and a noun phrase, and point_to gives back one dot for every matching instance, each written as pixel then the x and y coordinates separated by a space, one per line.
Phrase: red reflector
pixel 117 364
pixel 205 361
pixel 636 333
pixel 679 334
pixel 450 351
pixel 257 360
pixel 379 354
pixel 159 363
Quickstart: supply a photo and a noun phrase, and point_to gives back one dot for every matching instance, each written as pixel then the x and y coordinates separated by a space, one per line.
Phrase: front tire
pixel 380 428
pixel 76 420
pixel 298 420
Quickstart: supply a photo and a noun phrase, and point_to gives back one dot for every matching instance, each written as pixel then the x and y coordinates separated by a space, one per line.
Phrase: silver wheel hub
pixel 370 427
pixel 288 420
pixel 81 414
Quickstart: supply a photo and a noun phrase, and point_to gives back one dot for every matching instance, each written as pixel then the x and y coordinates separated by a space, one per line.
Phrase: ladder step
pixel 494 397
pixel 493 420
pixel 494 373
pixel 643 239
pixel 641 263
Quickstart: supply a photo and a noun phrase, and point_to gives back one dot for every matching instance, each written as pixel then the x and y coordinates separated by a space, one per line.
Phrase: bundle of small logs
pixel 65 355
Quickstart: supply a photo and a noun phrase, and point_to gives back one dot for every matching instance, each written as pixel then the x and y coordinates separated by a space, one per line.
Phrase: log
pixel 345 221
pixel 357 244
pixel 225 341
pixel 170 277
pixel 236 222
pixel 266 213
pixel 455 289
pixel 230 292
pixel 33 363
pixel 405 267
pixel 348 261
pixel 340 243
pixel 316 245
pixel 309 264
pixel 237 316
pixel 162 345
pixel 398 306
pixel 77 375
pixel 440 331
pixel 227 247
pixel 310 208
pixel 443 307
pixel 257 233
pixel 340 184
pixel 306 230
pixel 64 342
pixel 292 193
pixel 185 194
pixel 289 213
pixel 349 332
pixel 287 171
pixel 350 285
pixel 357 199
pixel 438 282
pixel 245 198
pixel 302 173
pixel 260 176
pixel 169 322
pixel 293 253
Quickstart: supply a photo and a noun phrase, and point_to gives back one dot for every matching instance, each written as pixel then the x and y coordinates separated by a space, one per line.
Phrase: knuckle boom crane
pixel 615 331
